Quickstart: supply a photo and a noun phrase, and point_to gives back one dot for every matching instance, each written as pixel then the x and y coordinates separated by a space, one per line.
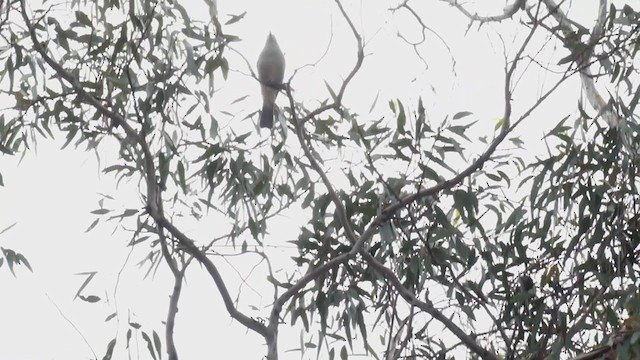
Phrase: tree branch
pixel 178 276
pixel 152 194
pixel 410 298
pixel 337 103
pixel 299 127
pixel 154 200
pixel 582 60
pixel 507 127
pixel 191 248
pixel 508 11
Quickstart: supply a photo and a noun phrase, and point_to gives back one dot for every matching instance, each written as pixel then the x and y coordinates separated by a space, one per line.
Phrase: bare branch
pixel 508 12
pixel 178 276
pixel 425 28
pixel 337 103
pixel 191 248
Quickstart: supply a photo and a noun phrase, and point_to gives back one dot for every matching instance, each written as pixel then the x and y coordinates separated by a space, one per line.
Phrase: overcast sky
pixel 50 193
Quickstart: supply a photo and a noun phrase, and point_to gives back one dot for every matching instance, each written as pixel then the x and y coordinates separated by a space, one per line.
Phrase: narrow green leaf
pixel 110 317
pixel 83 19
pixel 181 177
pixel 331 92
pixel 147 339
pixel 21 260
pixel 93 224
pixel 235 18
pixel 157 343
pixel 101 211
pixel 110 347
pixel 461 114
pixel 402 118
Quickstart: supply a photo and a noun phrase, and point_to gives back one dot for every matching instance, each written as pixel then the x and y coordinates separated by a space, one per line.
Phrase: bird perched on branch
pixel 271 74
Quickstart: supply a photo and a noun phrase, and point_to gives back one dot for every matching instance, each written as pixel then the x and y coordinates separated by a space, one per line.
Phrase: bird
pixel 271 74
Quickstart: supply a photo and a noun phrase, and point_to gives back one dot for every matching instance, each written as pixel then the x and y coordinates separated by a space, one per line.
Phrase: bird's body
pixel 271 74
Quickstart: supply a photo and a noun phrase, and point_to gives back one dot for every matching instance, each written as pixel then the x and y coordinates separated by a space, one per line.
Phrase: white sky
pixel 51 192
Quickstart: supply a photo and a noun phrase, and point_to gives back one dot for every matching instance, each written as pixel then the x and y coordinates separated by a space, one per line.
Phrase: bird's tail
pixel 266 118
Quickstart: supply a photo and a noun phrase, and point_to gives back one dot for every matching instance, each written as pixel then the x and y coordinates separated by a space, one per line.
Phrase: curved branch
pixel 507 13
pixel 425 28
pixel 338 100
pixel 410 298
pixel 191 248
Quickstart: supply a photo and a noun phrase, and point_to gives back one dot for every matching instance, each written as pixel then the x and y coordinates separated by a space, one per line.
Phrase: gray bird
pixel 271 75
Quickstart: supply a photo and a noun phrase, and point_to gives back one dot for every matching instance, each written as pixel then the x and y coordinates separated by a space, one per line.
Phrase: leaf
pixel 360 311
pixel 101 211
pixel 213 149
pixel 109 353
pixel 83 19
pixel 71 133
pixel 93 224
pixel 86 281
pixel 461 114
pixel 331 92
pixel 235 18
pixel 126 213
pixel 20 259
pixel 375 100
pixel 149 345
pixel 157 342
pixel 181 177
pixel 5 150
pixel 239 99
pixel 343 352
pixel 9 256
pixel 90 298
pixel 213 129
pixel 401 119
pixel 118 168
pixel 62 38
pixel 224 66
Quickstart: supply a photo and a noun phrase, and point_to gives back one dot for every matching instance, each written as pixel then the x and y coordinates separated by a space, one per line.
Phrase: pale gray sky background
pixel 50 193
